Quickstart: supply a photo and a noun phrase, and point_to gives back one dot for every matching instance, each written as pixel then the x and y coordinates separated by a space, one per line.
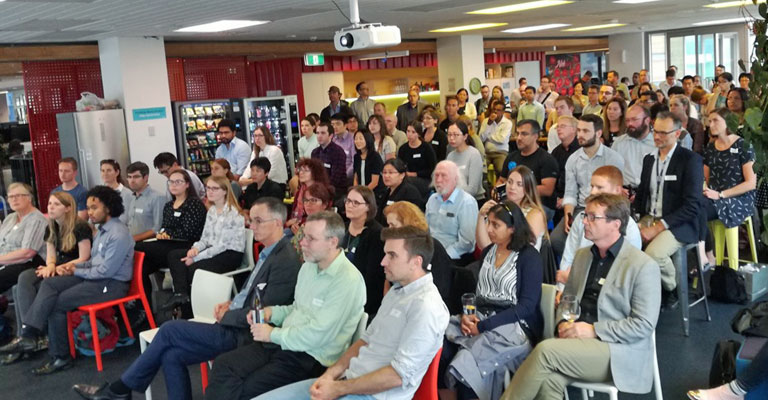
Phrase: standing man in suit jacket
pixel 181 343
pixel 669 197
pixel 617 286
pixel 337 105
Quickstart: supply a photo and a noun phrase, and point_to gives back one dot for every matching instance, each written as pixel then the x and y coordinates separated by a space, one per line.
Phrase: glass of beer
pixel 468 303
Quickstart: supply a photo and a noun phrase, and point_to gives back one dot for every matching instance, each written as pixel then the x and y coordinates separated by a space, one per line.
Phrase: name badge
pixel 352 250
pixel 670 177
pixel 317 302
pixel 390 202
pixel 435 142
pixel 462 167
pixel 417 155
pixel 177 214
pixel 100 246
pixel 262 285
pixel 601 281
pixel 450 214
pixel 734 150
pixel 441 211
pixel 326 165
pixel 139 211
pixel 395 313
pixel 15 227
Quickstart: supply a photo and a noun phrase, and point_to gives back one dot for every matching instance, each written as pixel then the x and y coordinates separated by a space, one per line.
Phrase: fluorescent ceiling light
pixel 535 28
pixel 469 27
pixel 220 26
pixel 727 4
pixel 721 21
pixel 591 27
pixel 633 1
pixel 531 5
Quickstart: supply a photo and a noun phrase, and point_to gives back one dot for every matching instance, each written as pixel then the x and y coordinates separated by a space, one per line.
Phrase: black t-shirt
pixel 373 166
pixel 420 160
pixel 270 188
pixel 82 232
pixel 561 155
pixel 186 222
pixel 439 144
pixel 595 279
pixel 541 163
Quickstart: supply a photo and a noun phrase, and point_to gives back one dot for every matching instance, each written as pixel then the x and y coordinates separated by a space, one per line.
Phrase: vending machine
pixel 196 123
pixel 281 116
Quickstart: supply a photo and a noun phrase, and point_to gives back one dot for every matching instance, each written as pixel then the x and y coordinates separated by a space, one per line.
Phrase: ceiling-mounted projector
pixel 364 36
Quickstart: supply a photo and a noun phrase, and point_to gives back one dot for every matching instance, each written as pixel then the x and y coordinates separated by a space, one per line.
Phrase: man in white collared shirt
pixel 363 106
pixel 546 96
pixel 494 132
pixel 233 149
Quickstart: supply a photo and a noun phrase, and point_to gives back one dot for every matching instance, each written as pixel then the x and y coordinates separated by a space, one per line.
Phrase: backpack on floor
pixel 107 328
pixel 728 286
pixel 724 363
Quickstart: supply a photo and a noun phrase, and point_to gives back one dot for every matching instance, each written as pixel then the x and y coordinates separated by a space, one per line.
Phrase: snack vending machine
pixel 281 116
pixel 196 139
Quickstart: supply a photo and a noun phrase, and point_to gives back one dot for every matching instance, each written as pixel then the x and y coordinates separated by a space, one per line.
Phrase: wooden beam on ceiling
pixel 574 44
pixel 21 53
pixel 10 69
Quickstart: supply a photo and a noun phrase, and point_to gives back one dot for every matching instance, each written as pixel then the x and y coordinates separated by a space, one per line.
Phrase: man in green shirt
pixel 299 341
pixel 531 109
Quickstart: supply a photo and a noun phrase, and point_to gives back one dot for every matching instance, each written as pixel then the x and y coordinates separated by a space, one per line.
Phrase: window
pixel 695 52
pixel 658 48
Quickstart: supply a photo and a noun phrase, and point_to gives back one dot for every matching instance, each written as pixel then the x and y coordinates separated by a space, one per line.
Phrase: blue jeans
pixel 300 391
pixel 757 371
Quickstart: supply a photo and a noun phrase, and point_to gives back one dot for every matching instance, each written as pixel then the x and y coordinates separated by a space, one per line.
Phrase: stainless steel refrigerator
pixel 281 115
pixel 90 137
pixel 196 138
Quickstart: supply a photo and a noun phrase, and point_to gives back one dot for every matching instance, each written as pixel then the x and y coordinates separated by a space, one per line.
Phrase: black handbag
pixel 723 368
pixel 728 286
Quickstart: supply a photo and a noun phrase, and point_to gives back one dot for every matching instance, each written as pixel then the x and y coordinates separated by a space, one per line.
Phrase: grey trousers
pixel 60 294
pixel 554 364
pixel 24 294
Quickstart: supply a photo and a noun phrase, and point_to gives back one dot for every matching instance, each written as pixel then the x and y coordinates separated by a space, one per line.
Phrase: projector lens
pixel 346 40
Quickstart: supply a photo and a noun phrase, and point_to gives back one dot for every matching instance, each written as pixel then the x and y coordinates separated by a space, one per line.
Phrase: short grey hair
pixel 334 225
pixel 275 207
pixel 454 171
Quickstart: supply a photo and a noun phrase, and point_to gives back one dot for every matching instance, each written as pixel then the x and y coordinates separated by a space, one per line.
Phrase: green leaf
pixel 763 10
pixel 753 116
pixel 732 122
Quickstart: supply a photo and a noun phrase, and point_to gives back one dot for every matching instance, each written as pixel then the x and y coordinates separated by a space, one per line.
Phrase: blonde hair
pixel 408 214
pixel 226 185
pixel 66 228
pixel 16 185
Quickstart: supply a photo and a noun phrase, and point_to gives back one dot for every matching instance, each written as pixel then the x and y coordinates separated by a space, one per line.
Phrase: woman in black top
pixel 363 245
pixel 433 135
pixel 418 156
pixel 69 244
pixel 368 164
pixel 398 188
pixel 183 221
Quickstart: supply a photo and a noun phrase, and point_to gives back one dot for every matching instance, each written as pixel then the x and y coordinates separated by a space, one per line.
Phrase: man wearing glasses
pixel 262 186
pixel 181 343
pixel 616 287
pixel 669 197
pixel 166 164
pixel 635 144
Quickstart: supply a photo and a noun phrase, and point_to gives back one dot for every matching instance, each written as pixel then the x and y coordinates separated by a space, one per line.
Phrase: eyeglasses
pixel 665 133
pixel 592 217
pixel 354 202
pixel 16 196
pixel 303 169
pixel 259 221
pixel 258 135
pixel 213 188
pixel 176 182
pixel 312 200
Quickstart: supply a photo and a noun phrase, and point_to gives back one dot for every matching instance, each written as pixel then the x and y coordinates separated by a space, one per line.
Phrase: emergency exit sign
pixel 314 59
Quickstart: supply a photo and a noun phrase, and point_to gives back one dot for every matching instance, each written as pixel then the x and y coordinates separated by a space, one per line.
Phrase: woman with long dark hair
pixel 264 145
pixel 479 349
pixel 112 177
pixel 383 142
pixel 220 167
pixel 367 165
pixel 309 171
pixel 398 188
pixel 467 158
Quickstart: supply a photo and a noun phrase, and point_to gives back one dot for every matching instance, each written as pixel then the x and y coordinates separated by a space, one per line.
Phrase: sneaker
pixel 722 392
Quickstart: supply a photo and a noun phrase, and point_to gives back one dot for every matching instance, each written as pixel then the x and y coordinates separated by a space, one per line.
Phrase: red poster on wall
pixel 563 70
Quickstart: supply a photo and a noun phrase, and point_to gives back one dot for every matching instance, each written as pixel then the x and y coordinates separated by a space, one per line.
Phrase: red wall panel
pixel 215 78
pixel 53 87
pixel 176 82
pixel 283 75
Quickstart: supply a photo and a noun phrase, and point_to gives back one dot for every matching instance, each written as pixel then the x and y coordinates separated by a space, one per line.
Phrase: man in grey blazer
pixel 181 343
pixel 618 289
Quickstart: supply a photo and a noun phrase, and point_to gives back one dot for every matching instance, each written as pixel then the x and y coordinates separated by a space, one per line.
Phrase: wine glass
pixel 570 308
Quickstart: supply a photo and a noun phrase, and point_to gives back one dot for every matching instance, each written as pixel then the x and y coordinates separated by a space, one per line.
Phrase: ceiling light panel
pixel 593 27
pixel 531 5
pixel 221 26
pixel 526 29
pixel 468 27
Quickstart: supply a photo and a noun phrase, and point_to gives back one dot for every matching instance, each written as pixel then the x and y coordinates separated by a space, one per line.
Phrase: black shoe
pixel 92 392
pixel 176 300
pixel 669 300
pixel 8 359
pixel 19 345
pixel 54 365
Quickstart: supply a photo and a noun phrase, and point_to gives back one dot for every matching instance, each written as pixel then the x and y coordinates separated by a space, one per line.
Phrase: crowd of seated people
pixel 385 217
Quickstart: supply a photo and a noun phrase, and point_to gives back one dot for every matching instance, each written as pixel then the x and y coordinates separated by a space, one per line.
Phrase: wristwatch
pixel 720 195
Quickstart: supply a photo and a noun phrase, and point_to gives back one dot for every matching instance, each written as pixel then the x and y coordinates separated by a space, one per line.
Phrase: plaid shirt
pixel 335 162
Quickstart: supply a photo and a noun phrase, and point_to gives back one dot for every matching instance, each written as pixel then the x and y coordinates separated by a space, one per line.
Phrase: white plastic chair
pixel 588 388
pixel 208 290
pixel 247 264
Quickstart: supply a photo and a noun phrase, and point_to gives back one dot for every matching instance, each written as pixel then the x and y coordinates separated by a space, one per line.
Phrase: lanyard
pixel 661 168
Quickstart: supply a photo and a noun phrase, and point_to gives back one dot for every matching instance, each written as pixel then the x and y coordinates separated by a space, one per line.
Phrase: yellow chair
pixel 729 237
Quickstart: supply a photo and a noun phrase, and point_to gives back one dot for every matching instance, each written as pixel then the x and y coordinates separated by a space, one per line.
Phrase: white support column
pixel 459 59
pixel 134 72
pixel 627 53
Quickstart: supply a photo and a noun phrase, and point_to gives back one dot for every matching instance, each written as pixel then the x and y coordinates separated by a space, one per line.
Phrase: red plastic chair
pixel 428 388
pixel 136 292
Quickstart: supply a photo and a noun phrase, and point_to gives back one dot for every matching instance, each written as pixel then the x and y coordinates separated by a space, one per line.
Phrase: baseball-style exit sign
pixel 314 59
